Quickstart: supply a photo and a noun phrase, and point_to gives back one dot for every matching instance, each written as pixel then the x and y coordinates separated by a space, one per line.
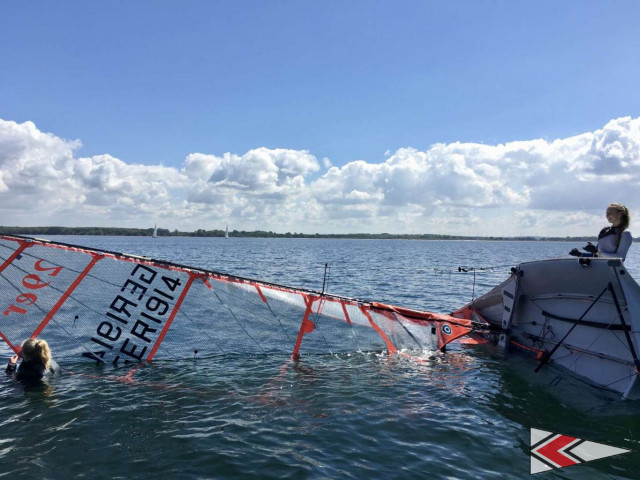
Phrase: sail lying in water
pixel 117 309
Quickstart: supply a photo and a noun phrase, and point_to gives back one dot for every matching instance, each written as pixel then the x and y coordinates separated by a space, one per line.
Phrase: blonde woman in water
pixel 36 361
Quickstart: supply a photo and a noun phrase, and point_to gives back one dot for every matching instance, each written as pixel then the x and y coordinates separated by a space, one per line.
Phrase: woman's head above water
pixel 34 349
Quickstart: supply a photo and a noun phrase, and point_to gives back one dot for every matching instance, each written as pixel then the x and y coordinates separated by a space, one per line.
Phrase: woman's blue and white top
pixel 607 247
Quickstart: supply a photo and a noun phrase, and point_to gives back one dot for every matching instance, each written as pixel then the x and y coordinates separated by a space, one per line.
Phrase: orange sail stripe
pixel 390 346
pixel 15 254
pixel 66 295
pixel 112 286
pixel 309 301
pixel 192 277
pixel 13 347
pixel 413 315
pixel 346 314
pixel 260 293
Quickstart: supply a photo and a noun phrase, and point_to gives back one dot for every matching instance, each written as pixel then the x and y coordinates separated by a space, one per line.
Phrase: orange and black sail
pixel 119 309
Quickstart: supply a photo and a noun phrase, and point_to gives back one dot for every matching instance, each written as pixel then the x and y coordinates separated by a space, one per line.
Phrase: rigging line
pixel 578 378
pixel 605 330
pixel 100 314
pixel 6 246
pixel 275 315
pixel 465 269
pixel 38 307
pixel 473 291
pixel 324 286
pixel 547 356
pixel 548 315
pixel 407 330
pixel 316 316
pixel 324 280
pixel 624 324
pixel 82 344
pixel 397 317
pixel 165 264
pixel 238 321
pixel 201 330
pixel 580 353
pixel 449 273
pixel 493 267
pixel 622 379
pixel 347 319
pixel 71 269
pixel 317 327
pixel 24 253
pixel 571 352
pixel 64 267
pixel 53 288
pixel 250 313
pixel 174 266
pixel 43 311
pixel 59 290
pixel 19 290
pixel 13 251
pixel 149 294
pixel 322 300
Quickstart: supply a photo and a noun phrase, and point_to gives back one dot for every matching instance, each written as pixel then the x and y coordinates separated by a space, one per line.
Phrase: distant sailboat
pixel 226 232
pixel 155 231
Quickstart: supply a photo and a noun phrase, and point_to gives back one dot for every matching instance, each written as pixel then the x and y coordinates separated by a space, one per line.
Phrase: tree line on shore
pixel 163 232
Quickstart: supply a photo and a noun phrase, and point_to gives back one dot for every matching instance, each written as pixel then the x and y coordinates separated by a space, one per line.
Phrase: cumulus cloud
pixel 257 172
pixel 44 181
pixel 541 187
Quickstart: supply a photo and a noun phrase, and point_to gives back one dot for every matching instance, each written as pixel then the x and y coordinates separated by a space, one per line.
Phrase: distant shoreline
pixel 162 232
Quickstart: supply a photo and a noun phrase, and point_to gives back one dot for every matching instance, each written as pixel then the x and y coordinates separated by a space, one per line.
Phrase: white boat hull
pixel 581 315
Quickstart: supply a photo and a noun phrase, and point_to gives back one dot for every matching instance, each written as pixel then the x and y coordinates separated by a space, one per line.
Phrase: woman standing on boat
pixel 613 241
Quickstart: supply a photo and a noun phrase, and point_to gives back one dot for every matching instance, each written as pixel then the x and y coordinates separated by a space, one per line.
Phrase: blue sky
pixel 150 82
pixel 153 82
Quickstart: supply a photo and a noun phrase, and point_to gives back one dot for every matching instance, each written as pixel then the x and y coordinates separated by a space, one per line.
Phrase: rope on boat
pixel 467 269
pixel 547 355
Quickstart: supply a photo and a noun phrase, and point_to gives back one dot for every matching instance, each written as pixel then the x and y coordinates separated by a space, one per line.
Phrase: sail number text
pixel 33 282
pixel 136 316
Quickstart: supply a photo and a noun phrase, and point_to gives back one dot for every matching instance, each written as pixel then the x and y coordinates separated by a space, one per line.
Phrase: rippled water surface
pixel 463 414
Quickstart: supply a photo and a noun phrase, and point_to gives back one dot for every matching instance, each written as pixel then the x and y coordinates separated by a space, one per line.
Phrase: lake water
pixel 463 414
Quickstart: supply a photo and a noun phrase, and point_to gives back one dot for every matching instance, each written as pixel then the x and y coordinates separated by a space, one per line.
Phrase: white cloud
pixel 257 171
pixel 532 187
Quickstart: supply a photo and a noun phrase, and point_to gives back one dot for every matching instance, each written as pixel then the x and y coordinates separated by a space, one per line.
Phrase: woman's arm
pixel 13 362
pixel 625 243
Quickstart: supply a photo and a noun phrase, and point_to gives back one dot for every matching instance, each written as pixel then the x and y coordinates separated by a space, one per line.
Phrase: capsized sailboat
pixel 580 314
pixel 113 308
